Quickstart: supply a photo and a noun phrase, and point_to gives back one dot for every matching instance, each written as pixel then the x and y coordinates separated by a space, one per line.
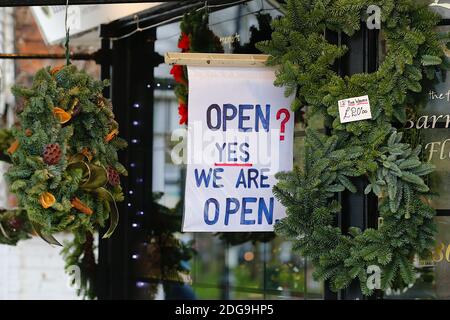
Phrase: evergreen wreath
pixel 372 148
pixel 65 169
pixel 15 226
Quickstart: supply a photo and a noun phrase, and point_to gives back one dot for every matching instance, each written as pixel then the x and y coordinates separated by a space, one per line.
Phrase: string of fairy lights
pixel 137 199
pixel 135 184
pixel 159 84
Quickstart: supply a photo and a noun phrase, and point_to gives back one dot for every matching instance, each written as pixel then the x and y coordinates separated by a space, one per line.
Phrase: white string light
pixel 139 29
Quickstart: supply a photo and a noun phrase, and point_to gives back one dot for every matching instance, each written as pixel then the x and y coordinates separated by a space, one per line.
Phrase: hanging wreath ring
pixel 372 149
pixel 65 169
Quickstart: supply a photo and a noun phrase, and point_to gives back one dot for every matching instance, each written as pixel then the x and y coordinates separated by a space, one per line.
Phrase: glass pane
pixel 430 128
pixel 246 263
pixel 208 292
pixel 285 271
pixel 436 149
pixel 442 259
pixel 314 289
pixel 220 271
pixel 240 295
pixel 282 297
pixel 209 267
pixel 433 281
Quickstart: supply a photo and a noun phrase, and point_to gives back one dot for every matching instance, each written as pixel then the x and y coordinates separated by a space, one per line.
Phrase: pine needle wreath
pixel 64 153
pixel 371 148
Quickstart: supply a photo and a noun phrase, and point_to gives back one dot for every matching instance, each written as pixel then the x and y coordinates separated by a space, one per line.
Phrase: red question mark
pixel 287 116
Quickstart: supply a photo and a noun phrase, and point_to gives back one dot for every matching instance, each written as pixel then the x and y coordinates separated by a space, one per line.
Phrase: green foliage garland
pixel 65 165
pixel 80 252
pixel 371 148
pixel 196 36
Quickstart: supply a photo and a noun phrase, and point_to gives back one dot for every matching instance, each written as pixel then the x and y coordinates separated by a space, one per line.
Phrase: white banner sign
pixel 240 135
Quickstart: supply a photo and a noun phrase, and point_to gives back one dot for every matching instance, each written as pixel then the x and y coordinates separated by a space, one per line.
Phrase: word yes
pixel 228 152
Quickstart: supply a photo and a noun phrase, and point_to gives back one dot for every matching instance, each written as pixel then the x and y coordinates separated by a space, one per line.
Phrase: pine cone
pixel 52 153
pixel 113 176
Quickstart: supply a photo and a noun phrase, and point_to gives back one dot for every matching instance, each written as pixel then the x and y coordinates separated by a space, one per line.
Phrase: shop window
pixel 220 271
pixel 431 130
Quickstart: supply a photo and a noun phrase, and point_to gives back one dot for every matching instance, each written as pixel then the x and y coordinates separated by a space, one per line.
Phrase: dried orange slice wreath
pixel 64 150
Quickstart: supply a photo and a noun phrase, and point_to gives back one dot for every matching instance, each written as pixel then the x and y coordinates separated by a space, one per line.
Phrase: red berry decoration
pixel 113 176
pixel 52 153
pixel 183 112
pixel 185 42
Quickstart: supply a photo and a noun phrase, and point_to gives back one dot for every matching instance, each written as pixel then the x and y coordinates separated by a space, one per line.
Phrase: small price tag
pixel 354 109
